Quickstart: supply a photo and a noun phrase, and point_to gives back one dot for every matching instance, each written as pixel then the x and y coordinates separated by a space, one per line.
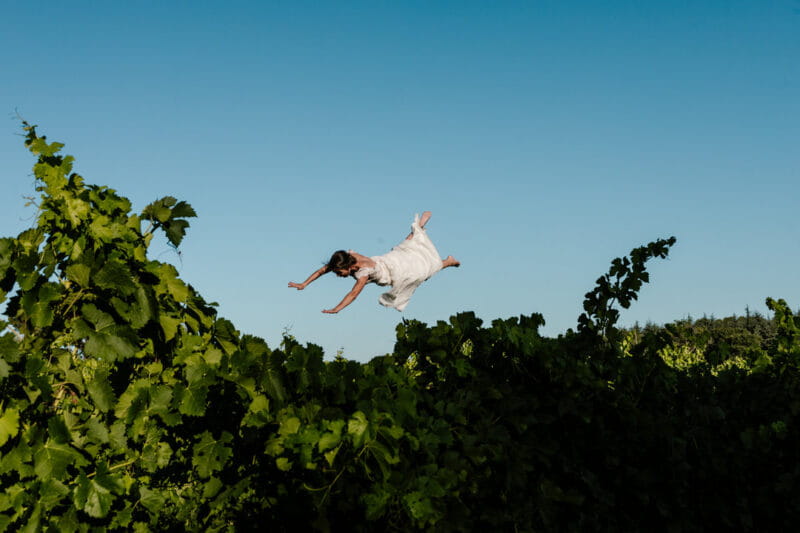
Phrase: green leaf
pixel 39 146
pixel 152 500
pixel 107 200
pixel 117 438
pixel 196 370
pixel 357 427
pixel 100 391
pixel 176 231
pixel 108 341
pixel 33 521
pixel 210 454
pixel 212 487
pixel 5 521
pixel 133 401
pixel 169 325
pixel 110 346
pixel 213 356
pixel 57 429
pixel 283 464
pixel 376 504
pixel 96 495
pixel 155 454
pixel 289 426
pixel 192 399
pixel 183 210
pixel 142 309
pixel 161 404
pixel 97 431
pixel 6 252
pixel 100 319
pixel 226 335
pixel 9 348
pixel 18 460
pixel 259 403
pixel 104 229
pixel 116 276
pixel 41 312
pixel 30 239
pixel 160 213
pixel 419 506
pixel 52 460
pixel 121 519
pixel 333 437
pixel 330 456
pixel 51 493
pixel 41 315
pixel 383 456
pixel 159 210
pixel 28 281
pixel 258 413
pixel 76 210
pixel 9 425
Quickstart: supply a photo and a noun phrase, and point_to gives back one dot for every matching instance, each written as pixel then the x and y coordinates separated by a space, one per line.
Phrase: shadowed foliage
pixel 127 403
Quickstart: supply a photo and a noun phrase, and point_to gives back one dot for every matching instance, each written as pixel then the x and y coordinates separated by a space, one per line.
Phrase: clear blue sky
pixel 547 137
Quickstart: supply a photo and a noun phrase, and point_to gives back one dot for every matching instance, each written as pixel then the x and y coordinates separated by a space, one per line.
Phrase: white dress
pixel 405 267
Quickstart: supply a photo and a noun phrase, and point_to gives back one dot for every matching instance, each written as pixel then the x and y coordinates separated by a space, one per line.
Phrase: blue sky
pixel 546 137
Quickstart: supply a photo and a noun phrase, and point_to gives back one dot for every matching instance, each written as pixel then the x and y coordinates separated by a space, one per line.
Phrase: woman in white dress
pixel 404 268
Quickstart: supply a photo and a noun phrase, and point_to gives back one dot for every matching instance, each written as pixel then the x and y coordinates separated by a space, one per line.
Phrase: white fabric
pixel 405 267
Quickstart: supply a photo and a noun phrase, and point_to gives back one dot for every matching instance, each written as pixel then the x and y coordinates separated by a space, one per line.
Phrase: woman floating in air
pixel 405 267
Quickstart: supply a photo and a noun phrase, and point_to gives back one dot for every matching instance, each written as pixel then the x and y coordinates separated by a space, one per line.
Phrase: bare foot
pixel 450 261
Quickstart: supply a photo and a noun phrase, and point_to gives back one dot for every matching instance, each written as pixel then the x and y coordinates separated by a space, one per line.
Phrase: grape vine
pixel 128 403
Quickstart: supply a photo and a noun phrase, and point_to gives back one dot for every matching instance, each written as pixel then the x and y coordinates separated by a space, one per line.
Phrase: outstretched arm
pixel 350 296
pixel 312 277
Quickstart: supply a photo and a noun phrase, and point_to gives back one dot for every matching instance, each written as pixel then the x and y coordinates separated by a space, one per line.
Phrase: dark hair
pixel 340 260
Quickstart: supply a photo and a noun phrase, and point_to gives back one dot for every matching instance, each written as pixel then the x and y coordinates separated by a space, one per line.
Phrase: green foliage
pixel 788 335
pixel 714 345
pixel 621 286
pixel 127 403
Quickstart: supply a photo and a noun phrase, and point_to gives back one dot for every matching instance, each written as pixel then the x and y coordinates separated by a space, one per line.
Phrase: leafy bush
pixel 127 403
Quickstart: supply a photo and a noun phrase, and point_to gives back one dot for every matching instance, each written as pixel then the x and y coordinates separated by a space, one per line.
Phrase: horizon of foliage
pixel 127 403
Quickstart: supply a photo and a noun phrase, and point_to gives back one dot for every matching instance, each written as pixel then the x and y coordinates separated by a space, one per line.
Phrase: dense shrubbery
pixel 127 403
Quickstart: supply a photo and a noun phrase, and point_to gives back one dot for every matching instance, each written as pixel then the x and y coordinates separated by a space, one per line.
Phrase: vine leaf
pixel 620 286
pixel 94 496
pixel 9 424
pixel 52 460
pixel 101 392
pixel 169 214
pixel 210 454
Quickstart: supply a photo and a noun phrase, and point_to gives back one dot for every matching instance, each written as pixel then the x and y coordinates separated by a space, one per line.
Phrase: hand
pixel 298 286
pixel 330 311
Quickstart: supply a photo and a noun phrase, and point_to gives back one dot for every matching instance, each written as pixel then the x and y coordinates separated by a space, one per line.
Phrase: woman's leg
pixel 450 262
pixel 422 221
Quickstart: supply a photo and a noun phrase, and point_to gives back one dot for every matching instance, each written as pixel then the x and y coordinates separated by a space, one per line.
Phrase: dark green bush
pixel 127 403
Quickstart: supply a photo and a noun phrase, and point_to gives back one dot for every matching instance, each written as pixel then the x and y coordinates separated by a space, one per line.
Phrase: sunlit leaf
pixel 53 459
pixel 357 428
pixel 9 425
